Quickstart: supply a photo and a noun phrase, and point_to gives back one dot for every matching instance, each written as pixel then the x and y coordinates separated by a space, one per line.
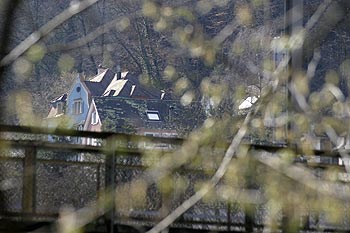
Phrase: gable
pixel 78 90
pixel 78 101
pixel 89 124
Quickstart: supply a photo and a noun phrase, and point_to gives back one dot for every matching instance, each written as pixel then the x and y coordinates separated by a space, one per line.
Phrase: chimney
pixel 171 108
pixel 100 69
pixel 119 73
pixel 80 76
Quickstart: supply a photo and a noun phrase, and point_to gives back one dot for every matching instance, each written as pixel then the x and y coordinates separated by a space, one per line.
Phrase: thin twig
pixel 33 38
pixel 303 176
pixel 231 151
pixel 99 31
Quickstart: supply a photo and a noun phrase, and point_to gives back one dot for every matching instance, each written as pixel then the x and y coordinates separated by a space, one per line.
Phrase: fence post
pixel 306 222
pixel 29 191
pixel 110 189
pixel 229 208
pixel 249 217
pixel 98 181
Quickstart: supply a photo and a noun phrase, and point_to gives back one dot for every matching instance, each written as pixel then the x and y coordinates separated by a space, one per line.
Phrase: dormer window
pixel 77 107
pixel 153 115
pixel 59 108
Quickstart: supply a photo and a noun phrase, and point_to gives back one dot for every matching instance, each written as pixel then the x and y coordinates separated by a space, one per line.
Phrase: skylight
pixel 153 115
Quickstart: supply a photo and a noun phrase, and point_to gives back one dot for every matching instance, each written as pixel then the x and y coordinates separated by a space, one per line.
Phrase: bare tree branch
pixel 304 176
pixel 231 151
pixel 19 50
pixel 99 31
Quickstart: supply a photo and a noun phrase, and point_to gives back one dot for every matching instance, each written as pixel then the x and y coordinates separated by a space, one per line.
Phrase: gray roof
pixel 126 115
pixel 100 82
pixel 107 83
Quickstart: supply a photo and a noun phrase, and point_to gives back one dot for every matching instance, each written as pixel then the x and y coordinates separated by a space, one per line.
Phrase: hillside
pixel 211 49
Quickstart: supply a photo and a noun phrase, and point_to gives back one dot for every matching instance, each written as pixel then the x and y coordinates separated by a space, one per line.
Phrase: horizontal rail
pixel 110 136
pixel 87 134
pixel 5 143
pixel 137 152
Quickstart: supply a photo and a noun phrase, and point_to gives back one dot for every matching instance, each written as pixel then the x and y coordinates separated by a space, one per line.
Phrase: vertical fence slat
pixel 98 181
pixel 29 169
pixel 229 209
pixel 110 188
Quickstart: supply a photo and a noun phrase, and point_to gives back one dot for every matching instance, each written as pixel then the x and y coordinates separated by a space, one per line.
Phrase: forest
pixel 185 46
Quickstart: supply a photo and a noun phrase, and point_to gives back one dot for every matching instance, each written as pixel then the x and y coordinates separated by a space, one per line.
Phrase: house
pixel 148 117
pixel 120 103
pixel 72 108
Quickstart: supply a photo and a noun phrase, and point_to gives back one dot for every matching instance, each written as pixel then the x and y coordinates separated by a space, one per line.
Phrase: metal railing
pixel 40 177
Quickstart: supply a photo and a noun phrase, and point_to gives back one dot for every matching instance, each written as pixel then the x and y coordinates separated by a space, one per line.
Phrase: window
pixel 93 142
pixel 153 115
pixel 151 134
pixel 77 107
pixel 59 108
pixel 94 119
pixel 169 135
